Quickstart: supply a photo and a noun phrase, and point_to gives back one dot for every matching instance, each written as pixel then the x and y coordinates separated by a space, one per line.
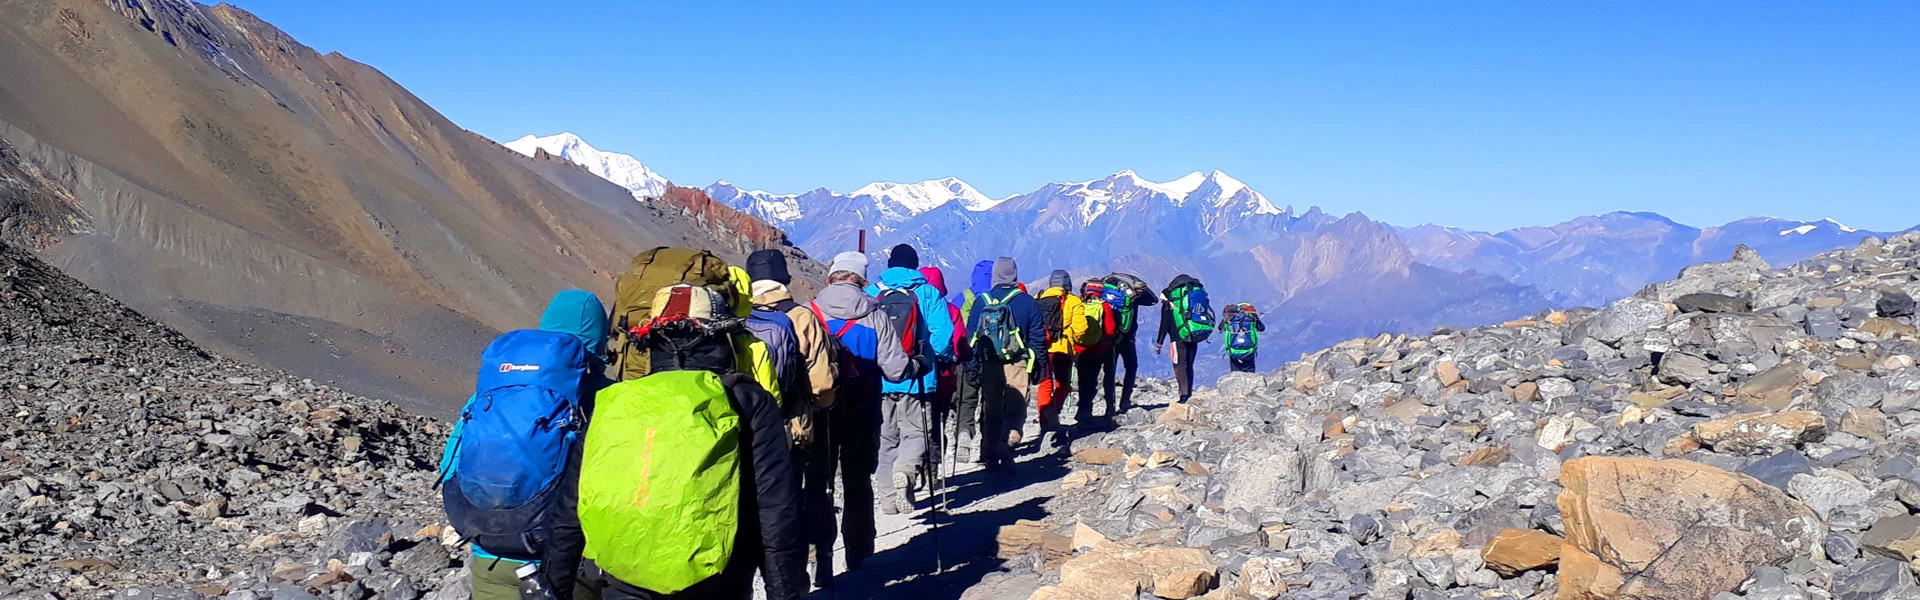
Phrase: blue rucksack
pixel 513 440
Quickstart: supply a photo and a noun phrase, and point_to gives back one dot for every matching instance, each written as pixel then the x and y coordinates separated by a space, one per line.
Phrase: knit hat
pixel 849 261
pixel 903 256
pixel 768 265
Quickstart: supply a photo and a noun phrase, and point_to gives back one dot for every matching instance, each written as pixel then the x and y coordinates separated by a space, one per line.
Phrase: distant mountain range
pixel 1321 278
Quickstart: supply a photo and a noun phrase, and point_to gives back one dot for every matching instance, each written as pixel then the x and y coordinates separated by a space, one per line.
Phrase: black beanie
pixel 769 265
pixel 903 256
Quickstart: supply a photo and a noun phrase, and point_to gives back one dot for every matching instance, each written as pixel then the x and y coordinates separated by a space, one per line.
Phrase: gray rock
pixel 1626 317
pixel 1828 490
pixel 1824 324
pixel 1841 548
pixel 1683 369
pixel 1779 469
pixel 1874 578
pixel 1711 303
pixel 1894 303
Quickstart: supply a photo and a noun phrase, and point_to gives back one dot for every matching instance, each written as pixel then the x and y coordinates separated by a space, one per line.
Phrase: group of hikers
pixel 691 436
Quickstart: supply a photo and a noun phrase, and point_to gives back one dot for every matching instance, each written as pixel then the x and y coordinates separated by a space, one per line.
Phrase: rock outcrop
pixel 1739 432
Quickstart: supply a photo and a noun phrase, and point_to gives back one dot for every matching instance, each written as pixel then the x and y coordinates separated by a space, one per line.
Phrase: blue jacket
pixel 933 310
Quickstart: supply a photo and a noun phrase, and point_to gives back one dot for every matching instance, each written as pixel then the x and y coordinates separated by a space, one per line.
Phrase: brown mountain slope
pixel 300 208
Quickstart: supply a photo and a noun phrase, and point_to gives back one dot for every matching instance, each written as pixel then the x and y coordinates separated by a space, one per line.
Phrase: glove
pixel 800 430
pixel 1035 376
pixel 920 366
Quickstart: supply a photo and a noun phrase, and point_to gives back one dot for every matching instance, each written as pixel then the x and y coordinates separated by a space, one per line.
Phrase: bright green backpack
pixel 660 480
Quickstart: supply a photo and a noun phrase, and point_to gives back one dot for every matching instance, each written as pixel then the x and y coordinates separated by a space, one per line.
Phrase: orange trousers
pixel 1053 390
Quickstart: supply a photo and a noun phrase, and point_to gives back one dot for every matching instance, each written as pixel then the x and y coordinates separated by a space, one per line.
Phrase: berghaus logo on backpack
pixel 507 367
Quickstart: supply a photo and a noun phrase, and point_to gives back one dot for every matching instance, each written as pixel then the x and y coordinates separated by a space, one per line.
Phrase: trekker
pixel 1243 336
pixel 1093 352
pixel 967 397
pixel 854 320
pixel 919 314
pixel 533 527
pixel 1125 294
pixel 686 458
pixel 945 396
pixel 1186 319
pixel 1066 321
pixel 807 420
pixel 1008 335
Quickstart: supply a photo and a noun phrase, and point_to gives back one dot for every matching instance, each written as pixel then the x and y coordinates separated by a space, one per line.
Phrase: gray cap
pixel 1062 280
pixel 849 261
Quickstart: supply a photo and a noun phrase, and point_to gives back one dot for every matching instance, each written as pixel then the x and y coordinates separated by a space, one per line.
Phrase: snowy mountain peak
pixel 623 170
pixel 773 208
pixel 1806 228
pixel 917 198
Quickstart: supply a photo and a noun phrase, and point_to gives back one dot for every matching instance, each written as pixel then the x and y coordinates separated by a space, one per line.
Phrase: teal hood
pixel 579 313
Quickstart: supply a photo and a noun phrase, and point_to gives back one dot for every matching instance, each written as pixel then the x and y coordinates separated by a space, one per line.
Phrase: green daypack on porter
pixel 660 480
pixel 633 295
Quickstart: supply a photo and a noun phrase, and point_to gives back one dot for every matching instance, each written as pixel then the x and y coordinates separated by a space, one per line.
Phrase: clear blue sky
pixel 1480 114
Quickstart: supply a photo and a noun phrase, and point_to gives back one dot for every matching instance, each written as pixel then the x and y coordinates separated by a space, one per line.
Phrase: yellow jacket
pixel 1074 317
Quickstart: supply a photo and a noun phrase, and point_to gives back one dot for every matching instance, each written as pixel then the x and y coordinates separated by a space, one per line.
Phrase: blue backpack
pixel 513 440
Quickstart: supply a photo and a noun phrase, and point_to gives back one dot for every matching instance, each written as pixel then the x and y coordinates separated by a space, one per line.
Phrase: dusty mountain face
pixel 136 460
pixel 295 207
pixel 1737 432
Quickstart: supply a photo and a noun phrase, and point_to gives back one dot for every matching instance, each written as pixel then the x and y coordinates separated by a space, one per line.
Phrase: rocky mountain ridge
pixel 1737 432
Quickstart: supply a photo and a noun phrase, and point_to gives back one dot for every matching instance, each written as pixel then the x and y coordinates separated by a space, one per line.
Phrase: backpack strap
pixel 845 326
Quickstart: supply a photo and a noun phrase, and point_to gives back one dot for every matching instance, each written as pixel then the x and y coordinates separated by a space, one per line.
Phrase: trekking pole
pixel 933 478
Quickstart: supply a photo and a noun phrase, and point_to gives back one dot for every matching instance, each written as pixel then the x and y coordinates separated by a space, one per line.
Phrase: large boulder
pixel 1626 317
pixel 1761 433
pixel 1121 572
pixel 1647 528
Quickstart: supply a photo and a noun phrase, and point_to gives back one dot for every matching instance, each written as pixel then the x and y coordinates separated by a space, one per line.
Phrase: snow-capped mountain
pixel 912 199
pixel 624 170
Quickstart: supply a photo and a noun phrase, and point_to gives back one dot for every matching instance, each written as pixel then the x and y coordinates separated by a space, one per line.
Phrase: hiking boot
pixel 902 499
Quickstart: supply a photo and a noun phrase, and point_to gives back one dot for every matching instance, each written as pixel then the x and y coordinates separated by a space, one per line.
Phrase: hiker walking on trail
pixel 857 326
pixel 966 412
pixel 1186 319
pixel 1066 322
pixel 518 507
pixel 1009 340
pixel 1243 336
pixel 807 416
pixel 919 315
pixel 1093 352
pixel 949 373
pixel 1125 294
pixel 686 489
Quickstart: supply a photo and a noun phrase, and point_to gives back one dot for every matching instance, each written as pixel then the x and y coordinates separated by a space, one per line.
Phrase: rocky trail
pixel 1739 432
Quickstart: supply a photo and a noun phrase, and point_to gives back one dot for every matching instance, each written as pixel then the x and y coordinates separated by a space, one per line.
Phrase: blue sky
pixel 1480 114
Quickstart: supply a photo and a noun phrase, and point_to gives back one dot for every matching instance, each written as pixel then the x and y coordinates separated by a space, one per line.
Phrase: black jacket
pixel 769 538
pixel 560 559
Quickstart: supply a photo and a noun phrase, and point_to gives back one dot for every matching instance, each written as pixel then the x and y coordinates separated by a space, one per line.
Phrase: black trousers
pixel 815 464
pixel 1125 354
pixel 1091 365
pixel 1240 364
pixel 855 452
pixel 1183 359
pixel 966 403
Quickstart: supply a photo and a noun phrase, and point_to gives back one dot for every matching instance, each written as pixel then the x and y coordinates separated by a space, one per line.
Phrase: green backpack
pixel 660 480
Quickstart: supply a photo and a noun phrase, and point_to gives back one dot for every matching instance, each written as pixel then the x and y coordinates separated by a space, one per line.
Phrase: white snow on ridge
pixel 775 208
pixel 623 170
pixel 927 195
pixel 1815 226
